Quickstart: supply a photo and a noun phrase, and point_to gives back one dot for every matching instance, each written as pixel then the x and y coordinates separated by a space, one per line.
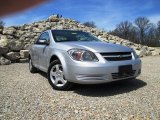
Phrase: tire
pixel 32 69
pixel 56 76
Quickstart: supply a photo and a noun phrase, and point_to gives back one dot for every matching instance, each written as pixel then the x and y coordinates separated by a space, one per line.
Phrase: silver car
pixel 78 57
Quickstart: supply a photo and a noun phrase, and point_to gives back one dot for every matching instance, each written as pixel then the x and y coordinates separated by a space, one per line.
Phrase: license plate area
pixel 125 69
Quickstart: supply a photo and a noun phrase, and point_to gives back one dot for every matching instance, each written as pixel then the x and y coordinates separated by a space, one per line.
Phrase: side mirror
pixel 43 41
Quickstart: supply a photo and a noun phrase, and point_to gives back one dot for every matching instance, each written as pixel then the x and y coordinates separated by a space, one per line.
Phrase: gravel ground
pixel 158 47
pixel 26 96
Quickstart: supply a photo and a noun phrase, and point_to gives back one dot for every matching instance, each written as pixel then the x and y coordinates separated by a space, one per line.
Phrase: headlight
pixel 82 55
pixel 135 55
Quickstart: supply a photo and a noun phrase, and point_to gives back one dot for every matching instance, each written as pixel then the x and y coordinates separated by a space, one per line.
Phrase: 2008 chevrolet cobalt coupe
pixel 78 57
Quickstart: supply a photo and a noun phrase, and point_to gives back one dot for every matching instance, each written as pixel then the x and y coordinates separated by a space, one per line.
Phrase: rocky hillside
pixel 15 40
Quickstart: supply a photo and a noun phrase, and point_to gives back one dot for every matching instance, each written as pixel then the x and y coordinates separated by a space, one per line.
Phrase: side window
pixel 45 37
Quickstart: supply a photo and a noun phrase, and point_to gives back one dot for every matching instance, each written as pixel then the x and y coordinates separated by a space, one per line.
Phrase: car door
pixel 43 51
pixel 34 55
pixel 35 51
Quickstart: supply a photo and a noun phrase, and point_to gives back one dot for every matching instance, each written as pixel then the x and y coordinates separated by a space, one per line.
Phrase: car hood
pixel 95 46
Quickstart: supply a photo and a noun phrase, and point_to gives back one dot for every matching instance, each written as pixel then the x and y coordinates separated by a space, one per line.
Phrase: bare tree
pixel 151 35
pixel 90 24
pixel 143 24
pixel 144 32
pixel 124 28
pixel 158 28
pixel 133 35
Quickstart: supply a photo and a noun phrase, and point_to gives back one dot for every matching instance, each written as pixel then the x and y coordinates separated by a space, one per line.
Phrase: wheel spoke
pixel 57 67
pixel 62 78
pixel 53 73
pixel 56 81
pixel 63 81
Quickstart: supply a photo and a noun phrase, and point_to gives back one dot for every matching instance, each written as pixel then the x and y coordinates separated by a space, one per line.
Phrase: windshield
pixel 68 35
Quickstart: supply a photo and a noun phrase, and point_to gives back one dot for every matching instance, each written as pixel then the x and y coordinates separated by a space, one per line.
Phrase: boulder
pixel 53 18
pixel 3 50
pixel 24 54
pixel 151 48
pixel 4 61
pixel 155 52
pixel 144 51
pixel 9 31
pixel 1 29
pixel 24 60
pixel 27 46
pixel 20 32
pixel 112 41
pixel 15 45
pixel 3 45
pixel 138 52
pixel 37 30
pixel 4 42
pixel 12 56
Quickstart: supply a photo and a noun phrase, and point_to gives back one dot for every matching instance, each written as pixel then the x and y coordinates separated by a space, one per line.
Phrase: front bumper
pixel 95 72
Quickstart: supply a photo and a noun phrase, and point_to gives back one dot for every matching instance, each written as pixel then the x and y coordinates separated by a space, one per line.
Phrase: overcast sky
pixel 105 13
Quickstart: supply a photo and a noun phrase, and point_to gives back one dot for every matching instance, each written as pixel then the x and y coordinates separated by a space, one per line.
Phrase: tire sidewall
pixel 32 69
pixel 66 86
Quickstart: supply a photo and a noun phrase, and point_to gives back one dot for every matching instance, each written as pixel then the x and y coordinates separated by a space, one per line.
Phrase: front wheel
pixel 56 76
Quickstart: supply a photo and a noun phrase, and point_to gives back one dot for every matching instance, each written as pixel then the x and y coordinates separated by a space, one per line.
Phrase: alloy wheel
pixel 57 75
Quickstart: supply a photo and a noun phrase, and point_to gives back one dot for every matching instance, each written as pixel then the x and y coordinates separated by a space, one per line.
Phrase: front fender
pixel 62 56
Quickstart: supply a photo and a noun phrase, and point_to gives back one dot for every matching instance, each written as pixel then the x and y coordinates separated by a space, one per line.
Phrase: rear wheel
pixel 32 69
pixel 56 76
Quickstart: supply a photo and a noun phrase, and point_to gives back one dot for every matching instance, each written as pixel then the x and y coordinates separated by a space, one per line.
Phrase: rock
pixel 76 111
pixel 37 30
pixel 1 29
pixel 19 32
pixel 3 50
pixel 12 56
pixel 138 47
pixel 24 53
pixel 3 46
pixel 15 45
pixel 4 61
pixel 27 46
pixel 151 48
pixel 138 52
pixel 112 41
pixel 9 31
pixel 4 42
pixel 144 51
pixel 23 60
pixel 155 52
pixel 53 18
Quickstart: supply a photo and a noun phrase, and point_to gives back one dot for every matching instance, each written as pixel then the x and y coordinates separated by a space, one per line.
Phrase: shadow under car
pixel 106 89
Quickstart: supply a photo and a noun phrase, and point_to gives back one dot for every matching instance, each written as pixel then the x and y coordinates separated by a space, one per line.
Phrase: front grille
pixel 123 75
pixel 117 56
